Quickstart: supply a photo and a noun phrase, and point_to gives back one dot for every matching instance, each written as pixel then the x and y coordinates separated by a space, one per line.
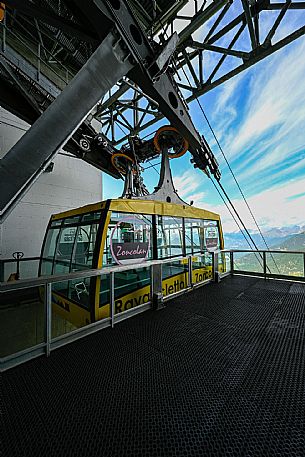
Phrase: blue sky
pixel 259 120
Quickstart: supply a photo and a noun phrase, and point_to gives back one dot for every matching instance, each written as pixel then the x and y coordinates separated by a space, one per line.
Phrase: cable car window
pixel 49 251
pixel 74 220
pixel 64 250
pixel 56 223
pixel 169 236
pixel 91 217
pixel 84 247
pixel 193 235
pixel 62 258
pixel 211 235
pixel 129 239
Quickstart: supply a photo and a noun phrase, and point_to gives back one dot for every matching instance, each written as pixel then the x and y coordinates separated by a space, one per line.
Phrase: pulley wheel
pixel 169 136
pixel 120 162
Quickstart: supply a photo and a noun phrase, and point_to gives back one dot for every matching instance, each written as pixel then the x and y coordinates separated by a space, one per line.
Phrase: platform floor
pixel 218 372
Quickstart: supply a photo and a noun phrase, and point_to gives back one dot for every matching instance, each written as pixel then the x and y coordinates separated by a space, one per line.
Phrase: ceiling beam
pixel 46 16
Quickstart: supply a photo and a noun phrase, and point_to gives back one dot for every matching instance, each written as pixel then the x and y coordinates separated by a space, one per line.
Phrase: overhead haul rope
pixel 235 179
pixel 236 222
pixel 238 185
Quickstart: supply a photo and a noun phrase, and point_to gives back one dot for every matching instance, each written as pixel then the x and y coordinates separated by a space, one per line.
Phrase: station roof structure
pixel 161 65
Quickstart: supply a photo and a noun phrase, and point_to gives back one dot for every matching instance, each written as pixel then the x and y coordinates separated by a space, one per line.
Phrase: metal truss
pixel 217 40
pixel 233 36
pixel 126 49
pixel 157 56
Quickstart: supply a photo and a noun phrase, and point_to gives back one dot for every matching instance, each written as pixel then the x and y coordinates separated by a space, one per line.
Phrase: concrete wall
pixel 72 183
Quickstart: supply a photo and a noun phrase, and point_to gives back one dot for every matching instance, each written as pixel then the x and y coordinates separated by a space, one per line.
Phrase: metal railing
pixel 267 264
pixel 48 284
pixel 28 267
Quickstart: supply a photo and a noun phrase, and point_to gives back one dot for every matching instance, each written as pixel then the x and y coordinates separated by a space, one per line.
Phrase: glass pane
pixel 188 237
pixel 174 277
pixel 49 251
pixel 285 264
pixel 202 268
pixel 223 262
pixel 79 291
pixel 71 305
pixel 129 239
pixel 84 247
pixel 251 262
pixel 27 269
pixel 56 223
pixel 64 250
pixel 91 217
pixel 194 235
pixel 104 292
pixel 72 220
pixel 211 235
pixel 169 236
pixel 131 288
pixel 22 315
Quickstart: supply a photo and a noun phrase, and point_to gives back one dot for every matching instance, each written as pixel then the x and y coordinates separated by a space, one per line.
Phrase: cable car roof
pixel 141 207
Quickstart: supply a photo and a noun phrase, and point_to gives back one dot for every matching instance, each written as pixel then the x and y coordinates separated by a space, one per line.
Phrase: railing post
pixel 156 284
pixel 48 322
pixel 215 266
pixel 190 272
pixel 112 298
pixel 304 265
pixel 1 270
pixel 264 264
pixel 232 262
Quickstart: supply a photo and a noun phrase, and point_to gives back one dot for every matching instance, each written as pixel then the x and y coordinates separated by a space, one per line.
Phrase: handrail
pixel 273 251
pixel 50 279
pixel 23 259
pixel 88 273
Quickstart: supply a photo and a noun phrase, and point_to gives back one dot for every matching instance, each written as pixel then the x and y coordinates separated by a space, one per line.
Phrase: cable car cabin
pixel 118 232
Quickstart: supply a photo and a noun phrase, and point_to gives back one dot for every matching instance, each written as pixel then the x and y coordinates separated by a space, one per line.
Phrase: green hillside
pixel 279 262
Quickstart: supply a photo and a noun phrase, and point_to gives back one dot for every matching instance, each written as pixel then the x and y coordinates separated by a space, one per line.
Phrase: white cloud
pixel 275 99
pixel 281 206
pixel 188 186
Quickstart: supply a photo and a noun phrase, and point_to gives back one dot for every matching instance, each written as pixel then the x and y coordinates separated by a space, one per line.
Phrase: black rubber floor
pixel 218 372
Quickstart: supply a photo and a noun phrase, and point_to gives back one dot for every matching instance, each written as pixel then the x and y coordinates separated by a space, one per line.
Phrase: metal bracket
pixel 165 190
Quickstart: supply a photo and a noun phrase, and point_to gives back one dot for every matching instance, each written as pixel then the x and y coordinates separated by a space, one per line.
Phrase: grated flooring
pixel 218 372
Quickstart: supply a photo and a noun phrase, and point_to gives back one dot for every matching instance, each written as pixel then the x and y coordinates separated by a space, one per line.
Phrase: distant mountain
pixel 274 237
pixel 295 242
pixel 279 262
pixel 237 240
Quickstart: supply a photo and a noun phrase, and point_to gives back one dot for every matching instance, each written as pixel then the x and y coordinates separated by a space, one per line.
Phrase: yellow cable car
pixel 130 230
pixel 123 231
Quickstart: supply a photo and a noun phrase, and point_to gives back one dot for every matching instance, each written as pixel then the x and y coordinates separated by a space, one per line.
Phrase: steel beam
pixel 221 50
pixel 31 100
pixel 201 18
pixel 263 52
pixel 246 7
pixel 24 163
